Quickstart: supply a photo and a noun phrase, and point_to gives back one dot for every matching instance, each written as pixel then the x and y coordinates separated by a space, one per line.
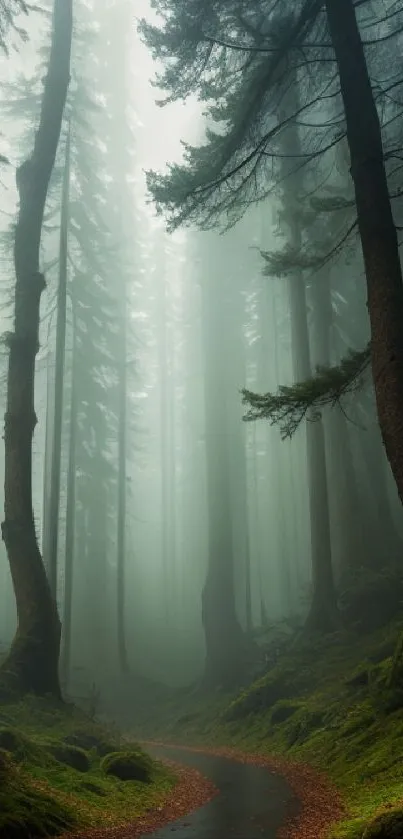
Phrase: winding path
pixel 252 803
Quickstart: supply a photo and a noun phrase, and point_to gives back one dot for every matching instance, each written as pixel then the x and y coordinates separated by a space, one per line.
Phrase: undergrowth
pixel 326 703
pixel 52 777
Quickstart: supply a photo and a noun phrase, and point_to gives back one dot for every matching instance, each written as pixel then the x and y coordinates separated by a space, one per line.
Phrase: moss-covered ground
pixel 325 703
pixel 53 778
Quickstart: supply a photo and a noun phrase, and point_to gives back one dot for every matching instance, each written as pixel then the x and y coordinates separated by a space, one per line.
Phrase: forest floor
pixel 322 716
pixel 55 777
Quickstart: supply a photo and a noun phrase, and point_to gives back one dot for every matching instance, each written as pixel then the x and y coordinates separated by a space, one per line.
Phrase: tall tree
pixel 32 663
pixel 225 640
pixel 56 450
pixel 230 169
pixel 377 228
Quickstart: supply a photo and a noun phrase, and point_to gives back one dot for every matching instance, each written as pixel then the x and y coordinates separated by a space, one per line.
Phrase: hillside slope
pixel 325 703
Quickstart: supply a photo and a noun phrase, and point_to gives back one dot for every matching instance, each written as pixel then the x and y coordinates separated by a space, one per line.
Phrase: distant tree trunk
pixel 32 663
pixel 70 515
pixel 377 229
pixel 232 329
pixel 121 524
pixel 347 502
pixel 47 459
pixel 164 424
pixel 225 641
pixel 54 492
pixel 323 614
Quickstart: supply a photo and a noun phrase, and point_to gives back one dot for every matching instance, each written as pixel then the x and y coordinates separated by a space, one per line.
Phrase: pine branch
pixel 292 404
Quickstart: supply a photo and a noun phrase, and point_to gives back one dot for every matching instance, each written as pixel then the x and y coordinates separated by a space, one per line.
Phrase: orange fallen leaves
pixel 319 803
pixel 190 793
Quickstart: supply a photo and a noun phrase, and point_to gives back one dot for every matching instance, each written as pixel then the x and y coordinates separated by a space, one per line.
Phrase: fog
pixel 163 485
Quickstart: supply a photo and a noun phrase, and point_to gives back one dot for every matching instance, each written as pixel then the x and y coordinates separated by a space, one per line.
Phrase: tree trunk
pixel 377 229
pixel 121 524
pixel 47 459
pixel 349 522
pixel 70 516
pixel 54 494
pixel 32 663
pixel 225 641
pixel 232 329
pixel 323 614
pixel 164 426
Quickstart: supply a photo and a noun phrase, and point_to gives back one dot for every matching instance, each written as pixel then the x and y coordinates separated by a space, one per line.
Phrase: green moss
pixel 87 740
pixel 72 756
pixel 388 825
pixel 282 711
pixel 26 810
pixel 326 703
pixel 133 765
pixel 43 791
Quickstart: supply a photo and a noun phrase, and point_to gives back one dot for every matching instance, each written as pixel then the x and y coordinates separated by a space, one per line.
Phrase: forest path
pixel 252 802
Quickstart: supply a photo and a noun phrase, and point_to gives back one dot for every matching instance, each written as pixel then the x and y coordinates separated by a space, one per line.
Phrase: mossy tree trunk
pixel 32 663
pixel 377 228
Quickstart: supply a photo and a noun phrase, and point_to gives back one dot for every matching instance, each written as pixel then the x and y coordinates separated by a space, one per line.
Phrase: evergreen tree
pixel 245 61
pixel 32 662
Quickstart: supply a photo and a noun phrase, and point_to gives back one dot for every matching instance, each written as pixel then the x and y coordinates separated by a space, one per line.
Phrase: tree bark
pixel 226 644
pixel 32 663
pixel 54 493
pixel 377 229
pixel 121 523
pixel 70 515
pixel 47 460
pixel 323 614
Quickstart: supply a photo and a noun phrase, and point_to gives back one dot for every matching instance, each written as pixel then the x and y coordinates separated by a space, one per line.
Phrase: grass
pixel 41 795
pixel 326 704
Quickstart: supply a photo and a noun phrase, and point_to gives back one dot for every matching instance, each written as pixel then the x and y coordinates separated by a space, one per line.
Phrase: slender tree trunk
pixel 46 466
pixel 32 663
pixel 121 530
pixel 344 483
pixel 70 516
pixel 54 493
pixel 164 426
pixel 323 613
pixel 232 328
pixel 377 229
pixel 225 641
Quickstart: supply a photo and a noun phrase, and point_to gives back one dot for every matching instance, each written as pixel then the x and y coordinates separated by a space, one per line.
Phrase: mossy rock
pixel 388 825
pixel 128 766
pixel 282 711
pixel 87 741
pixel 71 756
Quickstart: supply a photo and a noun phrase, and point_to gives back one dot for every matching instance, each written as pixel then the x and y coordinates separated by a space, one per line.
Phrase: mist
pixel 215 464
